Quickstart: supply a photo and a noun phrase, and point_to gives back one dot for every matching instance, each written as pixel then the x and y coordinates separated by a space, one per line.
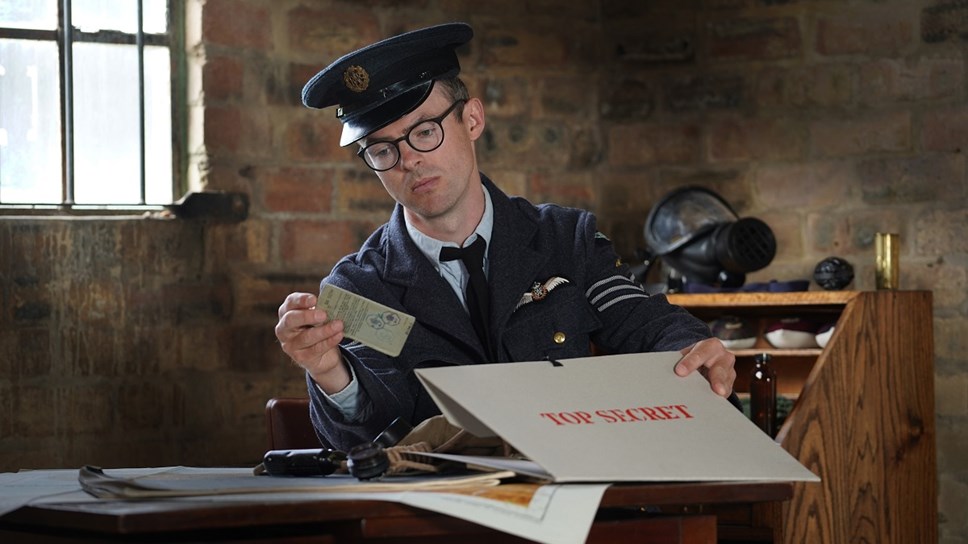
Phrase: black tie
pixel 477 296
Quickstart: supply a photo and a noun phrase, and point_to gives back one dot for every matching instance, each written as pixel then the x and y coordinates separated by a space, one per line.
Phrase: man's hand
pixel 713 361
pixel 311 342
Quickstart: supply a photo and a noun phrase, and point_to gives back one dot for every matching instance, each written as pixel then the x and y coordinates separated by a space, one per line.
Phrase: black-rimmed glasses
pixel 424 136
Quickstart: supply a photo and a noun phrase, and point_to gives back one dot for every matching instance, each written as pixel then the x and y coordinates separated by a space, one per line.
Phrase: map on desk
pixel 615 418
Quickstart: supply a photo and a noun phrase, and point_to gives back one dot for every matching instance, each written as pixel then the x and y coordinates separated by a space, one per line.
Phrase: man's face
pixel 434 184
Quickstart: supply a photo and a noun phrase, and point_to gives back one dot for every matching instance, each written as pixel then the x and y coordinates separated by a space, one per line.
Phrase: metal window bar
pixel 65 27
pixel 141 99
pixel 66 40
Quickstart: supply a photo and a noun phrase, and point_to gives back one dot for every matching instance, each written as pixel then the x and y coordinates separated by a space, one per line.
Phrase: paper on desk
pixel 52 485
pixel 20 488
pixel 553 514
pixel 175 484
pixel 522 467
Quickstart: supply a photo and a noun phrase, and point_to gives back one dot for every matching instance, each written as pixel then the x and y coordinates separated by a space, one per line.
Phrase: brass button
pixel 559 338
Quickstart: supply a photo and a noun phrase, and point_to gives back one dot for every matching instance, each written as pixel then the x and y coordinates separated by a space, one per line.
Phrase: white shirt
pixel 454 272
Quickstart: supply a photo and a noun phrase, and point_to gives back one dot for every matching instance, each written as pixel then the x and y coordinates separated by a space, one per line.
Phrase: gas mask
pixel 696 233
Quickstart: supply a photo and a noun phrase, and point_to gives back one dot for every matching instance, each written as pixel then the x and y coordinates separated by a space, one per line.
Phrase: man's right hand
pixel 311 341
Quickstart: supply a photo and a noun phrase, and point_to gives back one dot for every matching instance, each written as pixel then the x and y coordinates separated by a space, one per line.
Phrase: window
pixel 86 117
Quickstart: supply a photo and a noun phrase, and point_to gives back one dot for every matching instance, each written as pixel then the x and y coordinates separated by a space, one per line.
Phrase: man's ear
pixel 474 118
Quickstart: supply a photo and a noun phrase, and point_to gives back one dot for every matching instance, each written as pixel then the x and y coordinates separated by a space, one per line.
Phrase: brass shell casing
pixel 887 272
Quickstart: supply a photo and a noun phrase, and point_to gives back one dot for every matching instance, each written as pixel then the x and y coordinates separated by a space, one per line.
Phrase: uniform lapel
pixel 513 262
pixel 426 295
pixel 513 265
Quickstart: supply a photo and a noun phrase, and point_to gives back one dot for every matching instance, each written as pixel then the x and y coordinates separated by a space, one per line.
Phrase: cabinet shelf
pixel 778 353
pixel 863 411
pixel 799 299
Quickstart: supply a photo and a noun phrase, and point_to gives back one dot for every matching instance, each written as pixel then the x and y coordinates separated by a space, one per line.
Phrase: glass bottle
pixel 763 394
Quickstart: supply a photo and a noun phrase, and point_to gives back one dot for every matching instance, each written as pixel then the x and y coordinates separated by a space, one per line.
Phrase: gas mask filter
pixel 696 233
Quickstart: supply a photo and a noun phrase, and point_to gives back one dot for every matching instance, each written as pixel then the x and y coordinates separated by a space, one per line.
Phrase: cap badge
pixel 356 79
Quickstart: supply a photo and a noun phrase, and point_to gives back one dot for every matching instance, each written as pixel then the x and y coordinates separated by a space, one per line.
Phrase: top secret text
pixel 619 415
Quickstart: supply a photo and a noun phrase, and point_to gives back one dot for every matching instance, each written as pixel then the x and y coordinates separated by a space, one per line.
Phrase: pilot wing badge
pixel 540 290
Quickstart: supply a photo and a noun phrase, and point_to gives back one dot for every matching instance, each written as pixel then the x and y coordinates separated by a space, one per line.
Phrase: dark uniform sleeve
pixel 332 427
pixel 388 387
pixel 385 393
pixel 632 320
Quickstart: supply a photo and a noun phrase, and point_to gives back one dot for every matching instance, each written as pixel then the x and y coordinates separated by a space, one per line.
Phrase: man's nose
pixel 409 157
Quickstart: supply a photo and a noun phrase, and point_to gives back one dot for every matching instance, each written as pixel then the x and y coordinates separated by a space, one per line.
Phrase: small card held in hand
pixel 369 323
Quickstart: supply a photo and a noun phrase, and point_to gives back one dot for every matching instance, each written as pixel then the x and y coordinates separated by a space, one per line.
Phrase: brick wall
pixel 141 342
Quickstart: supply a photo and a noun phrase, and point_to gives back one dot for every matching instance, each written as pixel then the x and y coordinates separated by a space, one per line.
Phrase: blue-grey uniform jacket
pixel 599 304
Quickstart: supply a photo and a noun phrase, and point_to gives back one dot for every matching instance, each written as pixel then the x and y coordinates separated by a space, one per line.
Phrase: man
pixel 554 284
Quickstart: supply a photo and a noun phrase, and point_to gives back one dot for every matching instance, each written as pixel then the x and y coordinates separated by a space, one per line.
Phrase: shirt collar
pixel 431 246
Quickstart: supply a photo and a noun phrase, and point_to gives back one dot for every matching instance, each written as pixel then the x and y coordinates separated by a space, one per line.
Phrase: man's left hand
pixel 713 361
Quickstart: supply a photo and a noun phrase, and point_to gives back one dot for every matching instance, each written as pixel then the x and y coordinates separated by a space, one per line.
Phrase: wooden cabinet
pixel 863 416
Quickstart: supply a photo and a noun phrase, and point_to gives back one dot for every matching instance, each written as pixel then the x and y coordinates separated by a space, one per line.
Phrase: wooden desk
pixel 689 514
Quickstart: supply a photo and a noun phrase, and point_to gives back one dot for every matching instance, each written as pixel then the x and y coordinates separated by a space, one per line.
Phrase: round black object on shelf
pixel 833 273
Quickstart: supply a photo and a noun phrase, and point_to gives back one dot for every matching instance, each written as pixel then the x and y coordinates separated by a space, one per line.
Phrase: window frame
pixel 174 39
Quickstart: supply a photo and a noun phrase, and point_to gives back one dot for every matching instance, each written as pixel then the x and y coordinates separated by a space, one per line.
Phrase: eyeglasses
pixel 424 136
